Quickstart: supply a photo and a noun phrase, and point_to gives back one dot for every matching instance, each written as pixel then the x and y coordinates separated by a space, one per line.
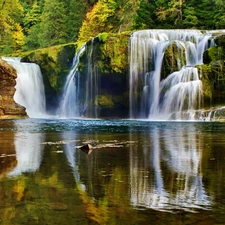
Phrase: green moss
pixel 103 36
pixel 55 63
pixel 115 52
pixel 212 54
pixel 105 101
pixel 220 40
pixel 205 72
pixel 174 59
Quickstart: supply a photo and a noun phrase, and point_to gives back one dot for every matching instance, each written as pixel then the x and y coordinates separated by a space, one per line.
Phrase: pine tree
pixel 76 10
pixel 53 23
pixel 172 13
pixel 219 14
pixel 145 17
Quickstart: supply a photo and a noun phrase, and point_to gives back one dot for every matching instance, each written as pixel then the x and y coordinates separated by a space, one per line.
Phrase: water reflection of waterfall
pixel 174 159
pixel 29 87
pixel 165 96
pixel 73 158
pixel 29 149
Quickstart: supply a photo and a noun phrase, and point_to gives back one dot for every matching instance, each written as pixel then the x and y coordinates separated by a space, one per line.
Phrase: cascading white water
pixel 181 90
pixel 69 106
pixel 80 92
pixel 92 85
pixel 29 87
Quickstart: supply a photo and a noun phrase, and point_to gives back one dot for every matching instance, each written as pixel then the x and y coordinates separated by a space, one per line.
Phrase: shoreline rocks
pixel 9 109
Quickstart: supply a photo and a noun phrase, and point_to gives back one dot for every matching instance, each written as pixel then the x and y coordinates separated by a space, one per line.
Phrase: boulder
pixel 86 148
pixel 8 107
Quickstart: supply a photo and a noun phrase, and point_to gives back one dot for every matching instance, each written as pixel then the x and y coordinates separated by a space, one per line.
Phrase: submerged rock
pixel 86 148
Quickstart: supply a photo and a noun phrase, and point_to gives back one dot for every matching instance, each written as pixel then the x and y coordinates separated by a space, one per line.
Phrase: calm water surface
pixel 139 172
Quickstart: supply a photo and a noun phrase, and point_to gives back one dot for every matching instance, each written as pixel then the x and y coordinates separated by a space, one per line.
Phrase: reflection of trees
pixel 99 180
pixel 42 189
pixel 97 212
pixel 175 158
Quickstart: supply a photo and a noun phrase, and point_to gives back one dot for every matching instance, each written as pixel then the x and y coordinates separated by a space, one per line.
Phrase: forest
pixel 32 24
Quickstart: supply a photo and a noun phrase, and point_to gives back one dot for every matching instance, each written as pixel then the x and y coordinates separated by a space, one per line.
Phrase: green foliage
pixel 53 24
pixel 145 17
pixel 11 36
pixel 114 52
pixel 75 14
pixel 172 13
pixel 100 19
pixel 32 17
pixel 31 24
pixel 103 36
pixel 190 19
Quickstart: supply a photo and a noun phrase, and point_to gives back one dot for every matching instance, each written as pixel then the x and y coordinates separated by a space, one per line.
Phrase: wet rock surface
pixel 8 107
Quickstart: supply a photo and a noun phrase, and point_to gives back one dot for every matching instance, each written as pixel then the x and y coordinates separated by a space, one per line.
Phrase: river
pixel 138 172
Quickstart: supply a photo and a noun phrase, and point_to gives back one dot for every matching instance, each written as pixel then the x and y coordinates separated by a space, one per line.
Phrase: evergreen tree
pixel 172 13
pixel 190 20
pixel 32 17
pixel 204 11
pixel 219 14
pixel 32 26
pixel 145 17
pixel 76 10
pixel 53 23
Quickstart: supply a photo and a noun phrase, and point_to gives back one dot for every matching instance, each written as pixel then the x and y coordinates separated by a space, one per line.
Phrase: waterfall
pixel 29 87
pixel 92 84
pixel 80 92
pixel 165 96
pixel 69 104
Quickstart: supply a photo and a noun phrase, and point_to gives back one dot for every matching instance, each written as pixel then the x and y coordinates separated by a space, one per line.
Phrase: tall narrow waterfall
pixel 29 87
pixel 69 105
pixel 159 94
pixel 80 92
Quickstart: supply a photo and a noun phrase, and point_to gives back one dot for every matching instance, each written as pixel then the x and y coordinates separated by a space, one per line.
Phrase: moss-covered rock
pixel 174 59
pixel 207 84
pixel 55 63
pixel 114 50
pixel 105 63
pixel 213 73
pixel 220 40
pixel 212 54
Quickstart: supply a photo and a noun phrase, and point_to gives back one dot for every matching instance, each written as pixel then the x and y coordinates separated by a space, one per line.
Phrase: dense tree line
pixel 32 24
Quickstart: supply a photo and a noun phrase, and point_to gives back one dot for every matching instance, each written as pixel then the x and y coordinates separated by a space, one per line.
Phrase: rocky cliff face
pixel 105 64
pixel 8 107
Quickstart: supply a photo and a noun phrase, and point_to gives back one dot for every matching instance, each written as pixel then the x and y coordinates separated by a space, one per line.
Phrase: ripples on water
pixel 114 126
